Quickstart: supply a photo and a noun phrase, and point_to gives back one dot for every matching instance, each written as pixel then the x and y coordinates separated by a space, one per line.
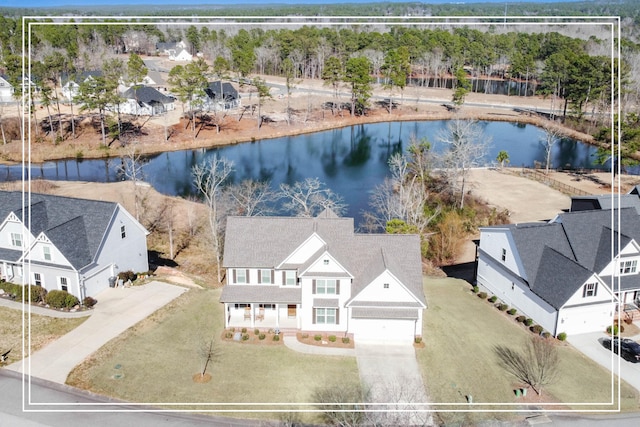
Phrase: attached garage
pixel 384 324
pixel 583 319
pixel 97 282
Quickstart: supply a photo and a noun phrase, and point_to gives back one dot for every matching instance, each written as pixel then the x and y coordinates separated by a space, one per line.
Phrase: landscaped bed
pixel 459 361
pixel 156 360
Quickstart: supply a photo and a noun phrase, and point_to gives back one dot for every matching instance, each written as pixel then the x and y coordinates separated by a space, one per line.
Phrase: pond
pixel 350 160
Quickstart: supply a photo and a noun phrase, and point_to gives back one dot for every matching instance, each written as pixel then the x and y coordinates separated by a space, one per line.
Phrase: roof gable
pixel 146 95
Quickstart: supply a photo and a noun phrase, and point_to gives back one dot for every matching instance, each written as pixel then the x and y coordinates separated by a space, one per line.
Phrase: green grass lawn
pixel 460 332
pixel 44 329
pixel 155 361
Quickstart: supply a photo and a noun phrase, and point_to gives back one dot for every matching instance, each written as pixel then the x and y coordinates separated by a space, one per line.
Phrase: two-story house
pixel 317 274
pixel 567 274
pixel 69 244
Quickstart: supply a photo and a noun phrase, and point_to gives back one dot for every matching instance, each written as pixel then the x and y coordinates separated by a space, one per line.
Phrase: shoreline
pixel 230 135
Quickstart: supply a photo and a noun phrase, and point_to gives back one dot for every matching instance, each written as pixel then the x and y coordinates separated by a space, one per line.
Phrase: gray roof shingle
pixel 75 226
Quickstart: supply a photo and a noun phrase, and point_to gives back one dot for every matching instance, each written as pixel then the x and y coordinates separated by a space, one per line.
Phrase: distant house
pixel 170 47
pixel 566 274
pixel 6 90
pixel 145 101
pixel 74 245
pixel 221 97
pixel 317 274
pixel 71 82
pixel 181 55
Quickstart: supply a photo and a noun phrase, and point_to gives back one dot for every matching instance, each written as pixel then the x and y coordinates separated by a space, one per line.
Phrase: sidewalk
pixel 42 311
pixel 117 310
pixel 292 342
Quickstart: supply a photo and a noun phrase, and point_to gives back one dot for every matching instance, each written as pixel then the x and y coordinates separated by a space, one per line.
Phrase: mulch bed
pixel 250 337
pixel 324 341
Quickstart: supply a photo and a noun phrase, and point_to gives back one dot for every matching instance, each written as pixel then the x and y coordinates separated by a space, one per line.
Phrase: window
pixel 240 275
pixel 504 254
pixel 386 286
pixel 16 240
pixel 325 262
pixel 628 267
pixel 238 306
pixel 590 290
pixel 267 306
pixel 123 231
pixel 63 284
pixel 325 287
pixel 37 279
pixel 290 278
pixel 326 316
pixel 265 276
pixel 46 253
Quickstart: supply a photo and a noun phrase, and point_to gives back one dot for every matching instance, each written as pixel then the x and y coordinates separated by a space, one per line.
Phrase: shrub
pixel 57 298
pixel 482 295
pixel 417 340
pixel 493 299
pixel 512 311
pixel 546 334
pixel 345 340
pixel 317 337
pixel 475 289
pixel 503 307
pixel 89 302
pixel 528 322
pixel 37 293
pixel 276 337
pixel 537 329
pixel 127 275
pixel 332 338
pixel 245 337
pixel 228 335
pixel 261 336
pixel 232 329
pixel 562 336
pixel 520 319
pixel 305 336
pixel 256 331
pixel 243 330
pixel 71 301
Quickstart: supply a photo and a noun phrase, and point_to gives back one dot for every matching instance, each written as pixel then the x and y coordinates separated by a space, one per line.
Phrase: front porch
pixel 255 315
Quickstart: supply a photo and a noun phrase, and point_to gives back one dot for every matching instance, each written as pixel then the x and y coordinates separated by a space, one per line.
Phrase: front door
pixel 291 311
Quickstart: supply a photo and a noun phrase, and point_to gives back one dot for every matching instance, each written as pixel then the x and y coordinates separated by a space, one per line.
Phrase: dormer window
pixel 590 290
pixel 16 240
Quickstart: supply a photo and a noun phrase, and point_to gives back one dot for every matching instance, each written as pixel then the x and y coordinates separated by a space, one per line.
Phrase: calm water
pixel 351 160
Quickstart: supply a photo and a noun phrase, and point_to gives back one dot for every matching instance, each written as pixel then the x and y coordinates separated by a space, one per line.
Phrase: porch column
pixel 226 315
pixel 298 319
pixel 253 316
pixel 277 316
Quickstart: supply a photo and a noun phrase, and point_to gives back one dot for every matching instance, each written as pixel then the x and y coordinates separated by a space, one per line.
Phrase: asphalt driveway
pixel 117 310
pixel 591 345
pixel 392 374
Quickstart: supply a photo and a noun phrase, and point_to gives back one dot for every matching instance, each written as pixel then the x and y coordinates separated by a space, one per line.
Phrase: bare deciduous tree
pixel 131 170
pixel 552 135
pixel 467 147
pixel 208 353
pixel 251 198
pixel 340 404
pixel 209 178
pixel 536 365
pixel 309 197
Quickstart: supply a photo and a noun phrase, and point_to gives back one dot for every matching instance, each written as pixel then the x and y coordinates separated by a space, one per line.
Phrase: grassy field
pixel 155 361
pixel 44 329
pixel 460 332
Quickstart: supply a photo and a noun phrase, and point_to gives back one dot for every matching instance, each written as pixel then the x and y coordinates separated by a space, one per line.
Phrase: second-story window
pixel 628 267
pixel 123 231
pixel 46 253
pixel 590 290
pixel 16 240
pixel 504 254
pixel 241 275
pixel 265 276
pixel 290 278
pixel 325 287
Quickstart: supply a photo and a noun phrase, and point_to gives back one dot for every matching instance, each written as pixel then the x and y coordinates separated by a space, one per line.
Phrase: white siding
pixel 305 250
pixel 375 291
pixel 385 330
pixel 584 319
pixel 603 294
pixel 494 241
pixel 306 311
pixel 326 264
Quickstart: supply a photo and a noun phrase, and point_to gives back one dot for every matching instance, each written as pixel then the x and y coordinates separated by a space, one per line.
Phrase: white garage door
pixel 97 282
pixel 383 330
pixel 580 320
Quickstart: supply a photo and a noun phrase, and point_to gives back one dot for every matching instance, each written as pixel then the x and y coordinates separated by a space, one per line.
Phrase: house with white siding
pixel 145 101
pixel 567 274
pixel 317 274
pixel 67 244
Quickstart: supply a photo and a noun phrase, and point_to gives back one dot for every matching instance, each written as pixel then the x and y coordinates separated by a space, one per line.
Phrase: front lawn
pixel 155 361
pixel 460 332
pixel 44 329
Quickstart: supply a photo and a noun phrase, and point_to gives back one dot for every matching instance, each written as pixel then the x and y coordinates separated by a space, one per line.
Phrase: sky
pixel 55 3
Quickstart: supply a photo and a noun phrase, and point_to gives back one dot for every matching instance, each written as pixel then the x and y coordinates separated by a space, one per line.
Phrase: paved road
pixel 117 310
pixel 591 345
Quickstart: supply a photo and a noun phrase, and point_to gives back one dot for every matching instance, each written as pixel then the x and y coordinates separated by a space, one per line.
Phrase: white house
pixel 75 245
pixel 181 55
pixel 145 101
pixel 567 274
pixel 220 96
pixel 6 90
pixel 71 84
pixel 316 274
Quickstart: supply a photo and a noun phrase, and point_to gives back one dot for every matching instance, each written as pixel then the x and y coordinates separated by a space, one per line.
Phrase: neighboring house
pixel 605 201
pixel 316 274
pixel 221 97
pixel 71 83
pixel 181 55
pixel 564 273
pixel 170 47
pixel 75 245
pixel 145 101
pixel 6 90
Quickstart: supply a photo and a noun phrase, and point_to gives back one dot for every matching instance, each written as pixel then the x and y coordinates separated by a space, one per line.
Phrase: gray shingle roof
pixel 216 90
pixel 605 201
pixel 10 255
pixel 266 242
pixel 75 226
pixel 384 313
pixel 146 94
pixel 260 294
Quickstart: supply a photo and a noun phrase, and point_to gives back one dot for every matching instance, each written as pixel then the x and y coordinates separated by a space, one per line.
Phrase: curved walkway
pixel 291 341
pixel 117 310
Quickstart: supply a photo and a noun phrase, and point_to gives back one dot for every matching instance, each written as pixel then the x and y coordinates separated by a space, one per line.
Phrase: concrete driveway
pixel 117 310
pixel 393 376
pixel 591 345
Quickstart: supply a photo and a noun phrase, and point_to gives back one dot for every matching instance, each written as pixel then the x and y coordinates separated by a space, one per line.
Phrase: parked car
pixel 629 349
